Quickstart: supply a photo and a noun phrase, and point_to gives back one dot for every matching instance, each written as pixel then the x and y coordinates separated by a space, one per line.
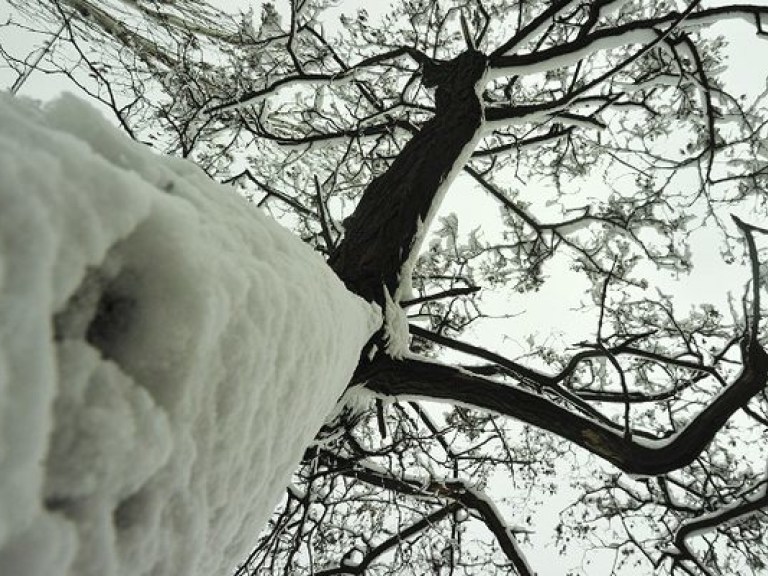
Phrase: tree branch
pixel 643 454
pixel 254 96
pixel 639 32
pixel 458 490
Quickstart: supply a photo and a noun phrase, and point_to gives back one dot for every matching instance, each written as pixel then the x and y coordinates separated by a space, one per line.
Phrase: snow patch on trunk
pixel 166 354
pixel 396 334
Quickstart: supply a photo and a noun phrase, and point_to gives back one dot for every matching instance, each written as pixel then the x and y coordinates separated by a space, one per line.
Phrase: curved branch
pixel 415 378
pixel 743 507
pixel 639 32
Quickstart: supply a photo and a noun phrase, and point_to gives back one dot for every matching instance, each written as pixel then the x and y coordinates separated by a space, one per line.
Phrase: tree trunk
pixel 386 226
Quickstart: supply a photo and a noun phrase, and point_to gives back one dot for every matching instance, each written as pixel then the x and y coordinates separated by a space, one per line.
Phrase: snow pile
pixel 166 354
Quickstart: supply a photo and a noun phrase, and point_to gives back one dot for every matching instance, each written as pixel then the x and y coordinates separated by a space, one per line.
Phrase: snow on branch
pixel 750 502
pixel 503 63
pixel 641 454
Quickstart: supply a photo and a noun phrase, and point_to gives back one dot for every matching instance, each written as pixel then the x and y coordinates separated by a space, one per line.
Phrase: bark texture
pixel 636 454
pixel 383 229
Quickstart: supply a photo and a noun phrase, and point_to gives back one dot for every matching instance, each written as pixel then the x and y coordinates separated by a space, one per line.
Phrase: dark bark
pixel 381 232
pixel 638 454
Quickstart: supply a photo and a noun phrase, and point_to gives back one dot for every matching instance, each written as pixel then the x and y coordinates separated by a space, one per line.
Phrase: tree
pixel 607 136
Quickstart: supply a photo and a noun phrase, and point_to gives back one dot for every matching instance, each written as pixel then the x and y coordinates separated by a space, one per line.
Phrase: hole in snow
pixel 100 311
pixel 129 511
pixel 58 503
pixel 111 320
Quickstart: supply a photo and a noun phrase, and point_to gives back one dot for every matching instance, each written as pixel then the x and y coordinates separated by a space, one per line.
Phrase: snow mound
pixel 166 354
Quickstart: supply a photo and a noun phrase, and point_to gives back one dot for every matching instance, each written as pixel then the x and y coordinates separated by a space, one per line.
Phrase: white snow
pixel 397 337
pixel 633 36
pixel 166 354
pixel 641 36
pixel 354 558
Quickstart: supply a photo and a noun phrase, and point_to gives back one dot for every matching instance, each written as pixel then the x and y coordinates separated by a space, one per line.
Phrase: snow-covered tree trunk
pixel 166 354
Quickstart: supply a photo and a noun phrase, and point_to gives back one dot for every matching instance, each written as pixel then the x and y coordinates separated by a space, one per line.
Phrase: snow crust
pixel 166 354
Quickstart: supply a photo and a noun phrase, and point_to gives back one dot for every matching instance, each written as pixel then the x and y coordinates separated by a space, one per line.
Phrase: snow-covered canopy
pixel 166 354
